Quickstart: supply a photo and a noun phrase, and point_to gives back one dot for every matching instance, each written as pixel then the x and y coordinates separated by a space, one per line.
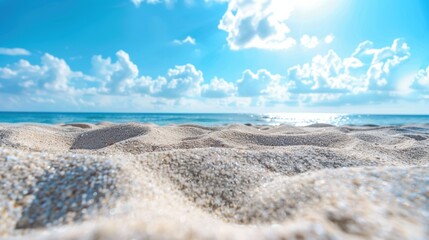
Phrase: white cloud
pixel 14 52
pixel 181 81
pixel 329 39
pixel 257 24
pixel 383 60
pixel 137 3
pixel 362 77
pixel 57 73
pixel 309 41
pixel 114 77
pixel 52 75
pixel 366 70
pixel 421 81
pixel 261 83
pixel 326 74
pixel 263 24
pixel 218 88
pixel 118 78
pixel 188 39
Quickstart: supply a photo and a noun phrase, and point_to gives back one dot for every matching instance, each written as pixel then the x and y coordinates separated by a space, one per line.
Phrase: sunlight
pixel 214 119
pixel 314 5
pixel 304 119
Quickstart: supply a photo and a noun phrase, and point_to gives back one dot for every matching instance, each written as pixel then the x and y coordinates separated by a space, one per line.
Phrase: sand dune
pixel 142 181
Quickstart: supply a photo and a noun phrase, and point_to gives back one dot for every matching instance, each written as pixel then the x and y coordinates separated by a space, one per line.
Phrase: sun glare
pixel 313 5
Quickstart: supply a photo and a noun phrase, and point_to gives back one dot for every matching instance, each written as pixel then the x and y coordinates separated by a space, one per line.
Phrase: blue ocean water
pixel 210 119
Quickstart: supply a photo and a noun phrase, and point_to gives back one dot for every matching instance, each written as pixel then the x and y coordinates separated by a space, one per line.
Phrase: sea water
pixel 212 119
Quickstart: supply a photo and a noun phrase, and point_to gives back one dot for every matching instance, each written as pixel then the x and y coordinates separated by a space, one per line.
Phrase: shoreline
pixel 321 124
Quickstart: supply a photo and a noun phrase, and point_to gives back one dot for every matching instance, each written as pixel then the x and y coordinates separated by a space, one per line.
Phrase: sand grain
pixel 142 181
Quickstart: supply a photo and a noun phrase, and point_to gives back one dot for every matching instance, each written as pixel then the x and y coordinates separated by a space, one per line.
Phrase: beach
pixel 144 181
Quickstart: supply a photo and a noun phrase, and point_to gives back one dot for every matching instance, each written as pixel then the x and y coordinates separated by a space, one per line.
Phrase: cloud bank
pixel 365 76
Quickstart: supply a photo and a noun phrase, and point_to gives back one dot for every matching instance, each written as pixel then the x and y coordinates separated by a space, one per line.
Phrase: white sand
pixel 141 181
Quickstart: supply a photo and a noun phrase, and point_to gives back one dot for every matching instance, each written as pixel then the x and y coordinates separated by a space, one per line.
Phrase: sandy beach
pixel 143 181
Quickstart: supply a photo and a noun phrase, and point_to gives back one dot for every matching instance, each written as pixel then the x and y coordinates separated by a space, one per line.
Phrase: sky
pixel 337 56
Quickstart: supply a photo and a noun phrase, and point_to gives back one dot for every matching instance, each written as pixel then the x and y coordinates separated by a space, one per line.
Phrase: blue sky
pixel 356 56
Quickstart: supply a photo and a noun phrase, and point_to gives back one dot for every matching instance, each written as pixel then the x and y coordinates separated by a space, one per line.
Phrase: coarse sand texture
pixel 143 181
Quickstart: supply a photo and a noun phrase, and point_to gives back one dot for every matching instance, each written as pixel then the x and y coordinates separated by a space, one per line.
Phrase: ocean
pixel 212 119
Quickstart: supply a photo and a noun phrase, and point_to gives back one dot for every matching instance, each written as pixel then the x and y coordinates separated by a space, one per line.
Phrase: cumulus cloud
pixel 187 40
pixel 364 76
pixel 329 39
pixel 309 41
pixel 114 77
pixel 327 73
pixel 119 77
pixel 180 81
pixel 14 52
pixel 366 69
pixel 257 24
pixel 53 74
pixel 422 77
pixel 122 77
pixel 421 81
pixel 261 83
pixel 218 88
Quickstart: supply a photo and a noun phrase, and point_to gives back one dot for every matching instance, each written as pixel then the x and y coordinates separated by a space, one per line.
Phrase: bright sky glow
pixel 356 56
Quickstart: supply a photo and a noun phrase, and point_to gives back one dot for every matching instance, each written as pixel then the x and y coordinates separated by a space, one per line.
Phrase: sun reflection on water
pixel 304 119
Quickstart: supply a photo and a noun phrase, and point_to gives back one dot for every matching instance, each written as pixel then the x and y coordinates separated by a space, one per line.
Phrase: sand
pixel 142 181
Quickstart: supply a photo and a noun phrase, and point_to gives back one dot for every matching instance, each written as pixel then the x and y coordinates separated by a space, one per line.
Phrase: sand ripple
pixel 142 181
